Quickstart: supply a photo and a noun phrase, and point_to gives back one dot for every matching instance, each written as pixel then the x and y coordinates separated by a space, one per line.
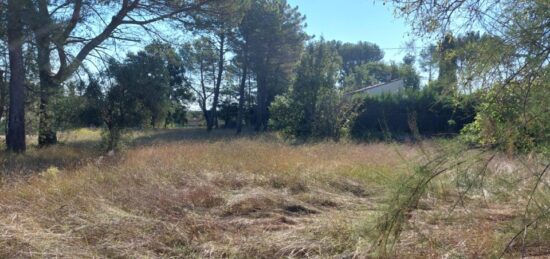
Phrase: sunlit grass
pixel 185 193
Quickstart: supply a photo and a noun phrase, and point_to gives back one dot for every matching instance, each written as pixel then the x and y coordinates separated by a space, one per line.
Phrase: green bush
pixel 515 118
pixel 310 109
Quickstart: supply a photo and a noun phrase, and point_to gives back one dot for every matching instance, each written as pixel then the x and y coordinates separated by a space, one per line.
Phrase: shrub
pixel 513 118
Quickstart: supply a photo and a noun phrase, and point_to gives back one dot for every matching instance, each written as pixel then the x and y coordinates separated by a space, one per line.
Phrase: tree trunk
pixel 153 121
pixel 3 94
pixel 46 133
pixel 249 97
pixel 261 110
pixel 203 97
pixel 242 87
pixel 215 100
pixel 15 139
pixel 205 113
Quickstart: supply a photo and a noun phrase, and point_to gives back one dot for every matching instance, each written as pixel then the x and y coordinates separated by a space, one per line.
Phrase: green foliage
pixel 284 115
pixel 511 121
pixel 448 65
pixel 68 111
pixel 349 110
pixel 150 91
pixel 326 123
pixel 357 54
pixel 369 74
pixel 310 109
pixel 177 116
pixel 314 108
pixel 410 77
pixel 228 113
pixel 471 133
pixel 510 63
pixel 274 35
pixel 75 110
pixel 93 102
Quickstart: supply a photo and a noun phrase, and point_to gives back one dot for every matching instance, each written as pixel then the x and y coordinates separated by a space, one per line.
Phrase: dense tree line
pixel 250 64
pixel 51 51
pixel 58 37
pixel 319 105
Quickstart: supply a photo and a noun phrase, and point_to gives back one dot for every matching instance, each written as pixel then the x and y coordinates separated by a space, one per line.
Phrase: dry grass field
pixel 188 194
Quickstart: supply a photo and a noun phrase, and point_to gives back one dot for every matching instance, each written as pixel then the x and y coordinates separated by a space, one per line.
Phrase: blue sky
pixel 356 20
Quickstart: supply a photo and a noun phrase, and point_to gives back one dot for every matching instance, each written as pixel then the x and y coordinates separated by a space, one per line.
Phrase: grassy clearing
pixel 184 193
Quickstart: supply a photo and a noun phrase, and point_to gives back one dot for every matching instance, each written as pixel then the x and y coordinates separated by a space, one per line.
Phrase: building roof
pixel 376 86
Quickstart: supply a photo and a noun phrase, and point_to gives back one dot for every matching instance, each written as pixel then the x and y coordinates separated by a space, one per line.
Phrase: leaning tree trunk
pixel 15 139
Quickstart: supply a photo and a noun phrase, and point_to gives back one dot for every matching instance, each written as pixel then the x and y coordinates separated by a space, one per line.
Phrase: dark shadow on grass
pixel 161 136
pixel 73 154
pixel 69 155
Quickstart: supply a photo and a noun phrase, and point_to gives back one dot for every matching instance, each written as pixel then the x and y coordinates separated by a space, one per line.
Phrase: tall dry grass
pixel 185 194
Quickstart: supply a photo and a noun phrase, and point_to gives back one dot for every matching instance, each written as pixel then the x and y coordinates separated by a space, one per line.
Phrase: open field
pixel 183 193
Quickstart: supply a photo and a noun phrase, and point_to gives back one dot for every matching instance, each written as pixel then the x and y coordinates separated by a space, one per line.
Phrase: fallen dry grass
pixel 183 194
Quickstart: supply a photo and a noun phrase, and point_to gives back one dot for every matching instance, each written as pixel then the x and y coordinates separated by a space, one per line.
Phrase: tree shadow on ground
pixel 162 136
pixel 71 153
